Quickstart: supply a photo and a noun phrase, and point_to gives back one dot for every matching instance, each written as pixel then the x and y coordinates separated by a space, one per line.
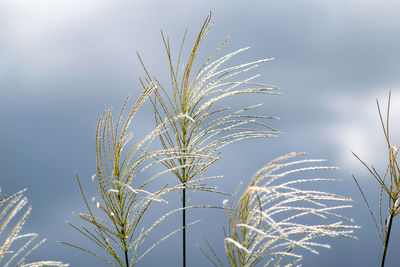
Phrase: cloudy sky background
pixel 63 62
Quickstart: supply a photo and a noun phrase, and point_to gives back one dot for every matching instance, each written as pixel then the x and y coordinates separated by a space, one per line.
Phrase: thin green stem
pixel 184 224
pixel 389 228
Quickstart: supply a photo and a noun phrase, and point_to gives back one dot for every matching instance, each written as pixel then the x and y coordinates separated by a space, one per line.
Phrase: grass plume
pixel 11 223
pixel 265 223
pixel 199 130
pixel 123 200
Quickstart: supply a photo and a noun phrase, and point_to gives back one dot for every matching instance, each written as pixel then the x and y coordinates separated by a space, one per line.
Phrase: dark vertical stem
pixel 184 224
pixel 389 228
pixel 125 245
pixel 185 178
pixel 126 258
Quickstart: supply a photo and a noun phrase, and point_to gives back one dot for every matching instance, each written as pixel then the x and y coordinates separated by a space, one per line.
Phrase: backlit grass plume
pixel 119 182
pixel 199 126
pixel 389 186
pixel 268 223
pixel 14 246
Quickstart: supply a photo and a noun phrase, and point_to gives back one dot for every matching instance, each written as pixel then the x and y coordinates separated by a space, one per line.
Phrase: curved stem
pixel 389 228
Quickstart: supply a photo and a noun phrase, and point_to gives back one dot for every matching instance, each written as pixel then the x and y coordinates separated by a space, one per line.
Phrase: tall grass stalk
pixel 202 130
pixel 124 199
pixel 11 223
pixel 389 185
pixel 265 224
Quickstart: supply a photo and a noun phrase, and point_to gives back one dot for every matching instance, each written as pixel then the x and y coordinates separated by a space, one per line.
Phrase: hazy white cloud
pixel 356 127
pixel 33 33
pixel 30 20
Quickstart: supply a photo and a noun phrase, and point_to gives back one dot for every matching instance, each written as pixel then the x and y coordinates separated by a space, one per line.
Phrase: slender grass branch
pixel 389 184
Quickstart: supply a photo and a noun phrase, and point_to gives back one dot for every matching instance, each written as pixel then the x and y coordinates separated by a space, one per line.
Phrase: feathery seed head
pixel 123 200
pixel 266 223
pixel 9 213
pixel 197 130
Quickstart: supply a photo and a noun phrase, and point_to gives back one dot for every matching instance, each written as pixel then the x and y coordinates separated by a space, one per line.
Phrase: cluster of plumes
pixel 11 223
pixel 192 129
pixel 266 224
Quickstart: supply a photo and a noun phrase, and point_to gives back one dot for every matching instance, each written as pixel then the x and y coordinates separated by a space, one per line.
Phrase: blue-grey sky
pixel 63 62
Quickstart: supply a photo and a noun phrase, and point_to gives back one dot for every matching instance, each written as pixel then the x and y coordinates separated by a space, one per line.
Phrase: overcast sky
pixel 63 62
